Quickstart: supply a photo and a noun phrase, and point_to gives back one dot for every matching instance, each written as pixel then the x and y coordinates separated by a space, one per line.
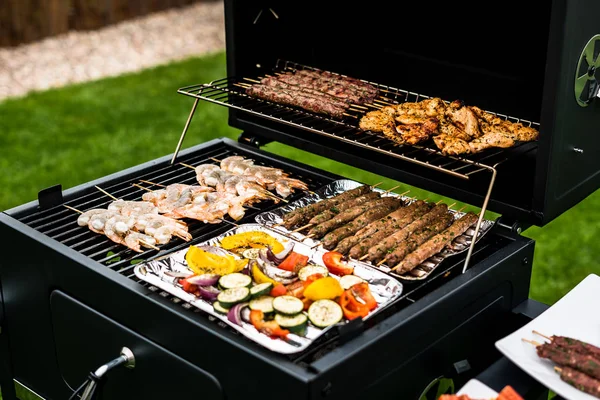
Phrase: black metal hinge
pixel 253 140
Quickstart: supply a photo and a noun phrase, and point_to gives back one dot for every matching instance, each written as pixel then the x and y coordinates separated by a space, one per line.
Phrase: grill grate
pixel 230 92
pixel 59 223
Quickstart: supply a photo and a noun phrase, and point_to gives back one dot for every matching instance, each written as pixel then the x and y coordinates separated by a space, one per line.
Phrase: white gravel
pixel 125 47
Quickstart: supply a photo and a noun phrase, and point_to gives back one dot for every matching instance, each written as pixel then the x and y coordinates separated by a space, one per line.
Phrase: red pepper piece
pixel 333 260
pixel 362 293
pixel 294 261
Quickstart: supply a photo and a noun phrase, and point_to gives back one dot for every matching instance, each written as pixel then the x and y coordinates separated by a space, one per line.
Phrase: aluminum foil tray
pixel 384 288
pixel 461 243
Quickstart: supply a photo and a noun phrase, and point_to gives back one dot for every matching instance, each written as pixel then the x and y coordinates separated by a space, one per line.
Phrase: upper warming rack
pixel 230 92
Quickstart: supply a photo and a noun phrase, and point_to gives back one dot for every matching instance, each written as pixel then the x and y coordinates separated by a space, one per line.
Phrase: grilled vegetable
pixel 251 254
pixel 234 315
pixel 295 324
pixel 276 273
pixel 203 262
pixel 230 297
pixel 279 257
pixel 362 292
pixel 324 288
pixel 262 289
pixel 293 262
pixel 219 308
pixel 333 260
pixel 508 393
pixel 259 276
pixel 278 290
pixel 251 239
pixel 309 270
pixel 348 281
pixel 209 293
pixel 351 308
pixel 263 303
pixel 288 305
pixel 204 280
pixel 271 328
pixel 324 313
pixel 234 281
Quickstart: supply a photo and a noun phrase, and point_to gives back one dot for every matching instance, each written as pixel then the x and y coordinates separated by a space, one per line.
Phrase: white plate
pixel 575 315
pixel 477 390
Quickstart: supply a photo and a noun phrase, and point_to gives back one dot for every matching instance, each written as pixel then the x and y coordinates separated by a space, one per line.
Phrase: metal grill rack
pixel 60 224
pixel 230 92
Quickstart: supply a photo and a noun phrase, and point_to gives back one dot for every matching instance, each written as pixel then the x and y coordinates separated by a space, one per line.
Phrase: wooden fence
pixel 23 21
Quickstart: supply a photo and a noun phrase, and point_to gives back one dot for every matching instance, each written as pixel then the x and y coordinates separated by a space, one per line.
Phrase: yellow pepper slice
pixel 203 262
pixel 260 277
pixel 324 288
pixel 251 239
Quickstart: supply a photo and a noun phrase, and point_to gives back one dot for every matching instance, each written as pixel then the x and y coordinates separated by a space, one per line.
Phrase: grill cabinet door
pixel 86 339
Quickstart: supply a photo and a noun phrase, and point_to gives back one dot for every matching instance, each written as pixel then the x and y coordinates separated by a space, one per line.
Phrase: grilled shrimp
pixel 202 169
pixel 154 196
pixel 236 164
pixel 127 208
pixel 98 220
pixel 134 240
pixel 285 186
pixel 84 218
pixel 251 190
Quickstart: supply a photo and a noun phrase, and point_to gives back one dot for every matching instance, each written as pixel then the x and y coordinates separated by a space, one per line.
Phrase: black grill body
pixel 66 313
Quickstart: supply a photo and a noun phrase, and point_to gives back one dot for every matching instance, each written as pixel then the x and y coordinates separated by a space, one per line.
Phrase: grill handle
pixel 90 386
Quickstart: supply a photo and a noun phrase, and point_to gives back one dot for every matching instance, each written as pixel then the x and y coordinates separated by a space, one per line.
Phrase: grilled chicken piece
pixel 433 107
pixel 418 132
pixel 375 121
pixel 464 118
pixel 451 145
pixel 449 129
pixel 492 139
pixel 514 130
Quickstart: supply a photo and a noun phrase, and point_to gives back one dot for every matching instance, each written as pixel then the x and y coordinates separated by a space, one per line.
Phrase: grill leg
pixel 6 376
pixel 185 129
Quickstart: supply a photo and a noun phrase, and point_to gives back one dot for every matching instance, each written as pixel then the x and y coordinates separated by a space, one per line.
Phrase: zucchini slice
pixel 230 297
pixel 264 304
pixel 324 313
pixel 295 323
pixel 309 270
pixel 262 289
pixel 235 280
pixel 219 308
pixel 251 254
pixel 288 305
pixel 347 281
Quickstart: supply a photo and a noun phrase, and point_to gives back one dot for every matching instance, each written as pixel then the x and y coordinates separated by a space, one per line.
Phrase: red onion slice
pixel 209 293
pixel 235 313
pixel 204 279
pixel 279 257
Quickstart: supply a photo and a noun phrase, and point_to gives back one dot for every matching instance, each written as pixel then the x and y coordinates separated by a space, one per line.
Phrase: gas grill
pixel 70 299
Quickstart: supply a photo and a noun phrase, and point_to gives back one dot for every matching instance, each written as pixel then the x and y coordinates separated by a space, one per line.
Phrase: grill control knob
pixel 587 86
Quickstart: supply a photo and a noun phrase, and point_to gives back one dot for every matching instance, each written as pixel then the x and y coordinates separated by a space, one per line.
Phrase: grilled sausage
pixel 332 238
pixel 416 239
pixel 333 211
pixel 303 214
pixel 348 215
pixel 584 363
pixel 363 244
pixel 390 220
pixel 380 250
pixel 435 244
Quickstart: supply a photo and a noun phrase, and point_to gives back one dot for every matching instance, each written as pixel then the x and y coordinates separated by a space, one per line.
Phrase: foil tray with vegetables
pixel 276 291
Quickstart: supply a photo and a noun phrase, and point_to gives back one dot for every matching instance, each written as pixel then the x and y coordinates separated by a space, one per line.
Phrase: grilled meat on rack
pixel 276 83
pixel 333 211
pixel 297 99
pixel 455 128
pixel 422 219
pixel 302 215
pixel 348 215
pixel 340 91
pixel 332 238
pixel 435 244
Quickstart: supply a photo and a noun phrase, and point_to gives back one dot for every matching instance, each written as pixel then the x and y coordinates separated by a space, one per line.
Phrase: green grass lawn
pixel 79 133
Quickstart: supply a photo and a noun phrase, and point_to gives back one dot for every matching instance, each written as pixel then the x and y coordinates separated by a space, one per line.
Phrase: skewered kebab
pixel 420 219
pixel 380 243
pixel 579 380
pixel 436 243
pixel 276 83
pixel 342 80
pixel 333 238
pixel 334 88
pixel 570 344
pixel 302 215
pixel 348 215
pixel 333 211
pixel 398 218
pixel 583 363
pixel 416 239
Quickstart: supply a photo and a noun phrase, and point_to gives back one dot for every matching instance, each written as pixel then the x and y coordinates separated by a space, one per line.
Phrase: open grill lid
pixel 510 60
